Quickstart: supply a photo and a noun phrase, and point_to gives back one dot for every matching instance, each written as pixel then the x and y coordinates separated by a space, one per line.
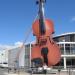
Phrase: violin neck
pixel 41 17
pixel 41 10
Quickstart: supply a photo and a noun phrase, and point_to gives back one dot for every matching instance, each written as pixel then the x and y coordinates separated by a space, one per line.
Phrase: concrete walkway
pixel 5 72
pixel 62 73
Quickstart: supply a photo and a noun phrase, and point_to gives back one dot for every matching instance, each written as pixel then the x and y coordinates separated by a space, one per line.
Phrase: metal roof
pixel 69 33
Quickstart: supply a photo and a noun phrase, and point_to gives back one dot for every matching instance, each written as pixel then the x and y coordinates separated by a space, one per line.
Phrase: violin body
pixel 48 25
pixel 45 50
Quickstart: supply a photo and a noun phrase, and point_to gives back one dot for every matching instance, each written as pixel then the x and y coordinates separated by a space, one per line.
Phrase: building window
pixel 72 47
pixel 67 38
pixel 27 56
pixel 67 48
pixel 70 62
pixel 56 39
pixel 27 49
pixel 72 38
pixel 61 39
pixel 62 48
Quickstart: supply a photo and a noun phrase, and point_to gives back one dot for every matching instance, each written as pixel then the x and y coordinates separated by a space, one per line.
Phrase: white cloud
pixel 4 47
pixel 18 43
pixel 8 47
pixel 73 19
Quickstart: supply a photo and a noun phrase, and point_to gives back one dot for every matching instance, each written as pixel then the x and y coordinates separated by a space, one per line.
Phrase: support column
pixel 64 57
pixel 25 58
pixel 30 54
pixel 64 62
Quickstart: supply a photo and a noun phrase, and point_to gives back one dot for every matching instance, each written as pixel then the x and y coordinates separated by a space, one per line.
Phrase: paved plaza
pixel 4 71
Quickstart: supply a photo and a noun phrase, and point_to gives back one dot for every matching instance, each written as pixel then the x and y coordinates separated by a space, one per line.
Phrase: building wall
pixel 4 56
pixel 13 59
pixel 27 56
pixel 22 57
pixel 68 54
pixel 67 47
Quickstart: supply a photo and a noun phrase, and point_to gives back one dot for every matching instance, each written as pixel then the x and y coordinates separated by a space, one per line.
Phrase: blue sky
pixel 16 18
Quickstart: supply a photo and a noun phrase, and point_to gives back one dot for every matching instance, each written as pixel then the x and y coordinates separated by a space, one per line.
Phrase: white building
pixel 9 56
pixel 2 56
pixel 16 57
pixel 66 43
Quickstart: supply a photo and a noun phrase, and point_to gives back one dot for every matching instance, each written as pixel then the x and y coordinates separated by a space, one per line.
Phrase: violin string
pixel 22 47
pixel 28 32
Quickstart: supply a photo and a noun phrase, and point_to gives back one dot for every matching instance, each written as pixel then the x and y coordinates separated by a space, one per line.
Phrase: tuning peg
pixel 37 2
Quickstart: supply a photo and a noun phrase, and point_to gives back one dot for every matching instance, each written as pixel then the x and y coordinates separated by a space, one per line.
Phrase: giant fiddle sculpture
pixel 45 51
